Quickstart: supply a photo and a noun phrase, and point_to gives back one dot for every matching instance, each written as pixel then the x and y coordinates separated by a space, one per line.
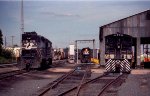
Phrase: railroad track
pixel 108 85
pixel 95 87
pixel 11 73
pixel 73 77
pixel 80 85
pixel 8 65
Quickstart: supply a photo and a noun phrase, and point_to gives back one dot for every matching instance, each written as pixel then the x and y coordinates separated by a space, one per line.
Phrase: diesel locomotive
pixel 86 55
pixel 36 51
pixel 118 53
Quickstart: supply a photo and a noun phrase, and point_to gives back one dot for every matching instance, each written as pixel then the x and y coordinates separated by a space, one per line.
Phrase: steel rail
pixel 13 73
pixel 7 65
pixel 57 82
pixel 108 84
pixel 83 84
pixel 83 78
pixel 8 72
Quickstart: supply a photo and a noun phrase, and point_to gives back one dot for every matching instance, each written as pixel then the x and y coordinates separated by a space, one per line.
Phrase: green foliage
pixel 7 54
pixel 1 38
pixel 4 60
pixel 1 42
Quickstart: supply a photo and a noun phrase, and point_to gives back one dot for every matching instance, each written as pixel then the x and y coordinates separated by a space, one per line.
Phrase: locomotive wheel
pixel 43 64
pixel 28 67
pixel 49 62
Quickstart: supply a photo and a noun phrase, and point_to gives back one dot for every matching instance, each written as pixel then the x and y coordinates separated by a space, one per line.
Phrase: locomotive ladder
pixel 111 64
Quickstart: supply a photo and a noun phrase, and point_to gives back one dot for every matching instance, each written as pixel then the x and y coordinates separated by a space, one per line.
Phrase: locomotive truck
pixel 36 51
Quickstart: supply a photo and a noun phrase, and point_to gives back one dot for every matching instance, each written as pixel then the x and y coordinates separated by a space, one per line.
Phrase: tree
pixel 1 41
pixel 7 54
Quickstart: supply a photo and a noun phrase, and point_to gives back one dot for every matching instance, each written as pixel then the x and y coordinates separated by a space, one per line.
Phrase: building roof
pixel 126 18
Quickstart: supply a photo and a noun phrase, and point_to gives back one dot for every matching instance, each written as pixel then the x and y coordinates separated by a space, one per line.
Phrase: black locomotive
pixel 36 51
pixel 86 55
pixel 118 52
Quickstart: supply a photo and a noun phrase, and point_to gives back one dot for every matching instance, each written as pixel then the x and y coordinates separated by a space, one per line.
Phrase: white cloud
pixel 59 14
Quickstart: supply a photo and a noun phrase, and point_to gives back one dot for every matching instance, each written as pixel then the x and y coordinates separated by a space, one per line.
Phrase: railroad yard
pixel 65 79
pixel 78 48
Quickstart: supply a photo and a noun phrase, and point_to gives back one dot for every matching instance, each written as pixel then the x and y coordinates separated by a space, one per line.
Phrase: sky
pixel 64 21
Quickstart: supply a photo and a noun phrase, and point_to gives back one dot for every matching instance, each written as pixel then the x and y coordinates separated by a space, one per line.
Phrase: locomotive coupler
pixel 117 68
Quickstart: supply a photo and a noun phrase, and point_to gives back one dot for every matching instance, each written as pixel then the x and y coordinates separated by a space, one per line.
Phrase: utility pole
pixel 93 48
pixel 12 40
pixel 5 42
pixel 12 47
pixel 22 30
pixel 22 18
pixel 22 23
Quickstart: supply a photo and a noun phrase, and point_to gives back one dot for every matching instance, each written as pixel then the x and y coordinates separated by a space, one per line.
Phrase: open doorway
pixel 145 52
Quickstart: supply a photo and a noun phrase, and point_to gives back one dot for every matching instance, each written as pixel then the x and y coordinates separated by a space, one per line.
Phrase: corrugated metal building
pixel 137 26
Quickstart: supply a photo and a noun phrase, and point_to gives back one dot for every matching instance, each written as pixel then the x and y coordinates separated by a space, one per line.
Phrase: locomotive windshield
pixel 29 53
pixel 86 52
